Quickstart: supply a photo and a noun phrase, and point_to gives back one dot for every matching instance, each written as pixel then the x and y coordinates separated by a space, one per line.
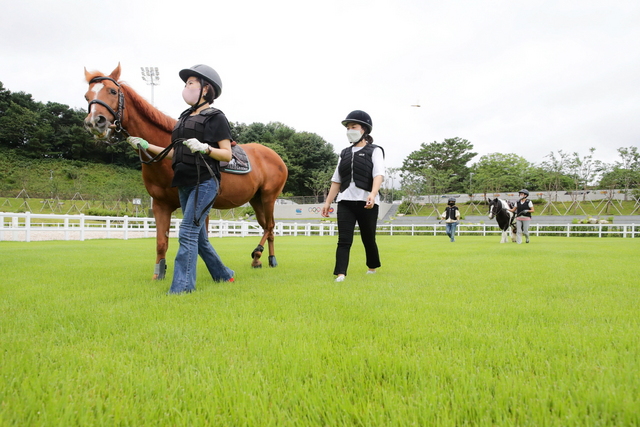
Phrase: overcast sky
pixel 512 77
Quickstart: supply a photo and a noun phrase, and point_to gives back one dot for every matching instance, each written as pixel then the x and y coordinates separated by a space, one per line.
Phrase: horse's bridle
pixel 497 206
pixel 117 116
pixel 117 121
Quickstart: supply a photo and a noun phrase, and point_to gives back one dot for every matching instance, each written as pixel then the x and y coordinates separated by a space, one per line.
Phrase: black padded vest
pixel 523 206
pixel 359 166
pixel 193 127
pixel 450 212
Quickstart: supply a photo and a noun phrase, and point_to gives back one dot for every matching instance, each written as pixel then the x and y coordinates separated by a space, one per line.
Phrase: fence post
pixel 14 225
pixel 82 227
pixel 27 226
pixel 125 225
pixel 66 227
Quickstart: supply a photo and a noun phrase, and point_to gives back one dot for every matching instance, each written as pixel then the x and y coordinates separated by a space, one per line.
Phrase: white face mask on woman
pixel 191 95
pixel 354 135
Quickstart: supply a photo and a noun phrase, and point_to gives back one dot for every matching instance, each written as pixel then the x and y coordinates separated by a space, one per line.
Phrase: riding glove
pixel 195 145
pixel 137 142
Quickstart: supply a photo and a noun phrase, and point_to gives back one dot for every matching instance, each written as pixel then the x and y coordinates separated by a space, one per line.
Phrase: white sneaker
pixel 371 272
pixel 340 278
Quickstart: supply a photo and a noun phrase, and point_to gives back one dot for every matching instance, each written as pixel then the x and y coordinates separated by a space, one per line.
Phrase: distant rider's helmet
pixel 524 191
pixel 452 201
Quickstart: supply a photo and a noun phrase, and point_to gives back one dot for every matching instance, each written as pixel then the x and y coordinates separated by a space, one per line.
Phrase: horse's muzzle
pixel 99 127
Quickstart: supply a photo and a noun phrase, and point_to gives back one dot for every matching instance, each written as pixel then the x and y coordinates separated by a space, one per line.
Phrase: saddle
pixel 239 163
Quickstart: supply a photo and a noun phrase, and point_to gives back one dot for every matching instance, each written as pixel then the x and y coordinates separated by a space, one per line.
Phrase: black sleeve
pixel 216 129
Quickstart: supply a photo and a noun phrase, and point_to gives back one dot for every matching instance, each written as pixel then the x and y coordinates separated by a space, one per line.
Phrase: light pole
pixel 151 75
pixel 470 183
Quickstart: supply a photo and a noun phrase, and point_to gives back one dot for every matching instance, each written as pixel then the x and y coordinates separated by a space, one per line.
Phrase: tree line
pixel 35 130
pixel 444 167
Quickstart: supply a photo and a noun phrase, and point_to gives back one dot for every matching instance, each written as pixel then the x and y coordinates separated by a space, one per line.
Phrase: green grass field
pixel 467 333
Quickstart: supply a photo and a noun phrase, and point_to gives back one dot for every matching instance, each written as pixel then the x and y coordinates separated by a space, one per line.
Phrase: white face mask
pixel 354 135
pixel 191 95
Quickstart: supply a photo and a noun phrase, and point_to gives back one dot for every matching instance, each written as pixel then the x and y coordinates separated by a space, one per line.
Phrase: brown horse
pixel 115 108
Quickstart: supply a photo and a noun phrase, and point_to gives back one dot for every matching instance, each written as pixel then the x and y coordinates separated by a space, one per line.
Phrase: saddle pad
pixel 239 163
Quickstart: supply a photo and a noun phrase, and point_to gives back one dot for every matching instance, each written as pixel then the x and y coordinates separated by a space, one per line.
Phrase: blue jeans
pixel 451 230
pixel 194 241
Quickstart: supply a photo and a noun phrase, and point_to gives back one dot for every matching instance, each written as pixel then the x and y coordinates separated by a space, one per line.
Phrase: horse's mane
pixel 154 115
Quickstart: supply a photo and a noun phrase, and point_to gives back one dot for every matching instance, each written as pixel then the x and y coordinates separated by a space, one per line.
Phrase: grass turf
pixel 471 332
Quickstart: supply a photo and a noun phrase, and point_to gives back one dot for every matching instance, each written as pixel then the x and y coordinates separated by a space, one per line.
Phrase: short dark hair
pixel 211 92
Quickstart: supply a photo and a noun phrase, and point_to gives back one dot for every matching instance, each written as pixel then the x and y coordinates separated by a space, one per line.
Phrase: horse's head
pixel 106 105
pixel 494 207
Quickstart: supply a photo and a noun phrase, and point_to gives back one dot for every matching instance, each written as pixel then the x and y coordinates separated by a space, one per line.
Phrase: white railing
pixel 28 227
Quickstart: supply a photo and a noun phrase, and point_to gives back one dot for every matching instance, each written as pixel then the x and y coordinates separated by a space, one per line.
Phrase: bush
pixel 406 207
pixel 104 212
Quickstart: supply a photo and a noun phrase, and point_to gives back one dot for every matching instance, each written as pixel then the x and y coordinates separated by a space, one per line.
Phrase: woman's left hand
pixel 371 201
pixel 195 145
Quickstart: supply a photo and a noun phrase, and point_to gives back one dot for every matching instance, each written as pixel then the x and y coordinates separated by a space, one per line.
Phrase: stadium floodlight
pixel 151 75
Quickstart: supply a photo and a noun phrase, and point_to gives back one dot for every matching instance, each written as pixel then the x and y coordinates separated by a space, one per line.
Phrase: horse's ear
pixel 115 74
pixel 87 75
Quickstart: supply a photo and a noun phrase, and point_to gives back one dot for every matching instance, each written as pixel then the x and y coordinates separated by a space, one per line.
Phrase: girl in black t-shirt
pixel 201 139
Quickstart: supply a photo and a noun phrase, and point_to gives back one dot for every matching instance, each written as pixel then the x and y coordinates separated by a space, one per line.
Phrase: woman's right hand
pixel 325 211
pixel 137 142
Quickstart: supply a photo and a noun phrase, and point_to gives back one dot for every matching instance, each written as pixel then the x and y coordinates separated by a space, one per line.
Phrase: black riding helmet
pixel 206 73
pixel 359 116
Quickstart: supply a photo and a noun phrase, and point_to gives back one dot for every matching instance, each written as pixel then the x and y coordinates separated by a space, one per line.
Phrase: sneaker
pixel 340 278
pixel 371 272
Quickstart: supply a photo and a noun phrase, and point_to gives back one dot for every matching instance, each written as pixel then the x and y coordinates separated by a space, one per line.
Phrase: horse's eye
pixel 113 92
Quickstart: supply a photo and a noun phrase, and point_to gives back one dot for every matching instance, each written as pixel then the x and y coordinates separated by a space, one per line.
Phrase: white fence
pixel 28 227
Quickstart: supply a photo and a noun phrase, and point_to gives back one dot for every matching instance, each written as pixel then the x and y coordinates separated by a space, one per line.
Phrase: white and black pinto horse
pixel 499 209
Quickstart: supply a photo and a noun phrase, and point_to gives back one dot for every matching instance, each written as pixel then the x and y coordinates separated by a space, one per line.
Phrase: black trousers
pixel 350 212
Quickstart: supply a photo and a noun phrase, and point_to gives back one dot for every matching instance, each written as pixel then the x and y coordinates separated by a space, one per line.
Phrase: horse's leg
pixel 270 223
pixel 162 215
pixel 259 212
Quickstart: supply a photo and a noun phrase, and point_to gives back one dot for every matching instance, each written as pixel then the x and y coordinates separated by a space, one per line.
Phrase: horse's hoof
pixel 258 265
pixel 160 270
pixel 257 252
pixel 272 261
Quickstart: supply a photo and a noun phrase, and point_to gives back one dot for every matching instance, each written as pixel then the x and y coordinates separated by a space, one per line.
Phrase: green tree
pixel 582 171
pixel 437 162
pixel 555 168
pixel 623 174
pixel 306 154
pixel 498 172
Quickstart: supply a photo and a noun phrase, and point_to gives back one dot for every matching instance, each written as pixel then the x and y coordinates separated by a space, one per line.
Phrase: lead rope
pixel 196 218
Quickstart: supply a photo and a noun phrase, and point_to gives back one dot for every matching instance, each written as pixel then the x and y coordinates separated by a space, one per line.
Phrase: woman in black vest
pixel 201 139
pixel 356 181
pixel 523 210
